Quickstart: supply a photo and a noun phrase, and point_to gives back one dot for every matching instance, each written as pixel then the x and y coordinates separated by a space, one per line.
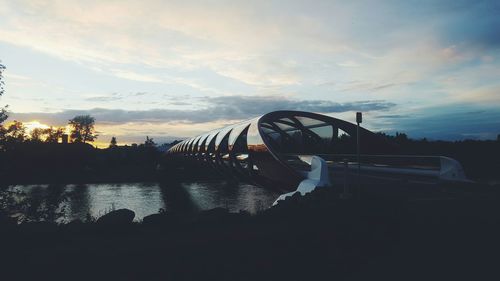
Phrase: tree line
pixel 82 130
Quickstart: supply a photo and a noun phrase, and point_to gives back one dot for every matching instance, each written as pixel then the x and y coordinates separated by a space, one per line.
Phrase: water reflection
pixel 177 199
pixel 79 201
pixel 97 199
pixel 228 195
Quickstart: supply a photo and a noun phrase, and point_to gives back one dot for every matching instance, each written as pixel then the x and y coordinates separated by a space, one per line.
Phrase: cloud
pixel 392 116
pixel 216 109
pixel 248 106
pixel 412 55
pixel 108 98
pixel 366 86
pixel 136 76
pixel 257 44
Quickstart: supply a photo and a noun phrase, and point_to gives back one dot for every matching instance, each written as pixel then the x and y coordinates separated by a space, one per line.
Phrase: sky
pixel 175 69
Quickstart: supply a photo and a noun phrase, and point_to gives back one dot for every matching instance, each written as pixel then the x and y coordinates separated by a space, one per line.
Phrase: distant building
pixel 64 138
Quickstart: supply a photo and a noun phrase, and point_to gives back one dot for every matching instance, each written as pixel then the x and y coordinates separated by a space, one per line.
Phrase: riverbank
pixel 453 235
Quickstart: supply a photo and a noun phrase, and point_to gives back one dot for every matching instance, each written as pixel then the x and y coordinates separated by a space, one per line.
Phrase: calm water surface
pixel 146 198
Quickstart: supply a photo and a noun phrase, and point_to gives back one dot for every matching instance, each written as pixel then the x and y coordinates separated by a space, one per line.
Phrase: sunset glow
pixel 30 126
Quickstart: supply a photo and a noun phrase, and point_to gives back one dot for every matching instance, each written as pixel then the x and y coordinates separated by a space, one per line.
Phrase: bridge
pixel 277 150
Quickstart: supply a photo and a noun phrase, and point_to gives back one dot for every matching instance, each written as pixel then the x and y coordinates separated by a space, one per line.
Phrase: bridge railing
pixel 440 167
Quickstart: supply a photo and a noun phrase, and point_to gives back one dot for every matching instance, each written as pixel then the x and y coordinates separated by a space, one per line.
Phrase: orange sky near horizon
pixel 32 125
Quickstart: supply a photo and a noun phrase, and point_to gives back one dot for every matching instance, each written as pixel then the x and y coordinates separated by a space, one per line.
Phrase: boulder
pixel 154 219
pixel 117 217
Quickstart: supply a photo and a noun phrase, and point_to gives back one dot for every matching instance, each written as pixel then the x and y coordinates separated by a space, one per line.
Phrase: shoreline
pixel 309 237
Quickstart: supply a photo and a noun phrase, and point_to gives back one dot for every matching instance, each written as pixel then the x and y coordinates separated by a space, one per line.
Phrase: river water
pixel 77 201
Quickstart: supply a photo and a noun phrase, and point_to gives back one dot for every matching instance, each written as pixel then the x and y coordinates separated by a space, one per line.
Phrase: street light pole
pixel 359 119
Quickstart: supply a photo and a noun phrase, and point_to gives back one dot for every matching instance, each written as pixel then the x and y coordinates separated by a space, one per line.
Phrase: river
pixel 67 202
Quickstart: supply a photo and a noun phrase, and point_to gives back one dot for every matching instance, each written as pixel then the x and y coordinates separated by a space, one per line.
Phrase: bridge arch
pixel 268 150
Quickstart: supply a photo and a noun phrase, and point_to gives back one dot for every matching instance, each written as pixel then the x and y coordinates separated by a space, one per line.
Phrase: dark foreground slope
pixel 450 235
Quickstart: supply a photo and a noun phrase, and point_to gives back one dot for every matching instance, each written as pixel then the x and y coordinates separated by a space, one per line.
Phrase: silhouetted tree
pixel 16 132
pixel 3 110
pixel 2 83
pixel 82 128
pixel 53 134
pixel 37 134
pixel 3 114
pixel 498 137
pixel 3 133
pixel 401 137
pixel 149 142
pixel 112 143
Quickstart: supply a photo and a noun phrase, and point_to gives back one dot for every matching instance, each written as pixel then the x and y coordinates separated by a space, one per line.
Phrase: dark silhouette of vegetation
pixel 37 134
pixel 42 158
pixel 112 143
pixel 49 135
pixel 3 114
pixel 3 110
pixel 149 142
pixel 2 83
pixel 82 129
pixel 16 132
pixel 479 158
pixel 53 134
pixel 37 162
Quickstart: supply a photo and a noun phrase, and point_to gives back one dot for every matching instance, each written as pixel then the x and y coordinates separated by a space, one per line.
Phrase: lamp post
pixel 359 119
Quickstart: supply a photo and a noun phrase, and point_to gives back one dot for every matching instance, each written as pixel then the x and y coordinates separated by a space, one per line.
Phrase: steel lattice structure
pixel 269 150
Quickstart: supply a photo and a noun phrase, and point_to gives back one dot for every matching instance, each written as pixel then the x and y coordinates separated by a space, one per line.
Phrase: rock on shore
pixel 117 217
